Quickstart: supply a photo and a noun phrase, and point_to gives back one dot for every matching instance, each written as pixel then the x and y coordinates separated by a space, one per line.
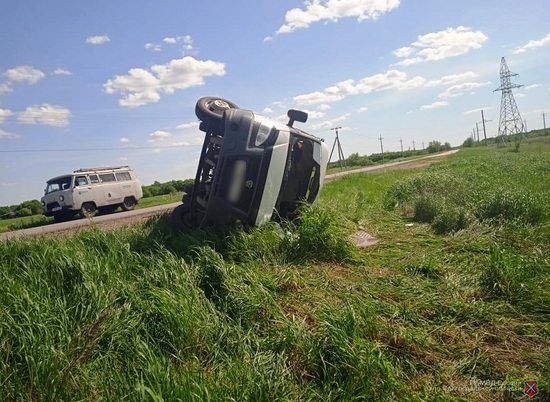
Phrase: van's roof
pixel 102 169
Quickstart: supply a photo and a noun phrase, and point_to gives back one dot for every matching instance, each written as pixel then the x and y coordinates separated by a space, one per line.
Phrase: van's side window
pixel 94 179
pixel 80 181
pixel 123 176
pixel 107 177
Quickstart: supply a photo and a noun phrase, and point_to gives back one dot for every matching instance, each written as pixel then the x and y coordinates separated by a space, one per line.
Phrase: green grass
pixel 297 313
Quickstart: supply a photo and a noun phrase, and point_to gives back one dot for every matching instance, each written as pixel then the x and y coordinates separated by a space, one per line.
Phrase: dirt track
pixel 122 219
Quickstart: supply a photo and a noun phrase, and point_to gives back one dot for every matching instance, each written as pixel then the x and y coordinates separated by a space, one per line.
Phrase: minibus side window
pixel 94 179
pixel 107 177
pixel 123 176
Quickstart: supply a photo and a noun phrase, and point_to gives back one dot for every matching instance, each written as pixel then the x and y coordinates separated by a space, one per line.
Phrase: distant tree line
pixel 356 160
pixel 172 186
pixel 26 208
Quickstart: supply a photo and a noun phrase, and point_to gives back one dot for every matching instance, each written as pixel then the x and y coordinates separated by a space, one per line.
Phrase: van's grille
pixel 51 206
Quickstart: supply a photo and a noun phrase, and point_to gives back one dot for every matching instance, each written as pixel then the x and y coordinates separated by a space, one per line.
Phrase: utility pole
pixel 477 131
pixel 340 152
pixel 423 147
pixel 484 131
pixel 414 148
pixel 544 122
pixel 381 147
pixel 401 141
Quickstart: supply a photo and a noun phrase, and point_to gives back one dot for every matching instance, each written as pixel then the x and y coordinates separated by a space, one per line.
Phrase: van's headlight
pixel 263 135
pixel 61 198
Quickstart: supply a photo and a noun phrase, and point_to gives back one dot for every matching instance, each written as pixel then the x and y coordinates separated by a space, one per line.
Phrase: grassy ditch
pixel 296 313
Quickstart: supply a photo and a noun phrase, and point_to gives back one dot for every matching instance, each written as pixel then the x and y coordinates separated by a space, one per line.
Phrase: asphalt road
pixel 146 212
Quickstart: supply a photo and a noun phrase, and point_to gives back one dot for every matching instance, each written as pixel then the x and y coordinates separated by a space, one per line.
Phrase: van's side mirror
pixel 296 115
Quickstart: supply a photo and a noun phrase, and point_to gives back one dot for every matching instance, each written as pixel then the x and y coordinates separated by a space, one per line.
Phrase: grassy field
pixel 26 222
pixel 452 304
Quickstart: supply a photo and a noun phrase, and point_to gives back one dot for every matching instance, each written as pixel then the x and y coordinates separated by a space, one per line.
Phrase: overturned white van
pixel 89 191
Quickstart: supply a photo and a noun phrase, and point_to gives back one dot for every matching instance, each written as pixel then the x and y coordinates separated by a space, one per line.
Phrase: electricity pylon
pixel 510 119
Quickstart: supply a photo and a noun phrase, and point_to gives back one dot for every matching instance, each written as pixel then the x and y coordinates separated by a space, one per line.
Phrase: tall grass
pixel 294 312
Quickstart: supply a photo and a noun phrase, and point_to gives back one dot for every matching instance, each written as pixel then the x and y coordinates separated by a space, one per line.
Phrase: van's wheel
pixel 210 109
pixel 181 218
pixel 129 204
pixel 88 210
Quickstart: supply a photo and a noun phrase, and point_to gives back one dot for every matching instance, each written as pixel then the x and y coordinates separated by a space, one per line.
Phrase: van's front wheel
pixel 88 210
pixel 129 204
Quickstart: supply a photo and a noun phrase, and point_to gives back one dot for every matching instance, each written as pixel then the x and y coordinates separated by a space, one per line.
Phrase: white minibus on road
pixel 88 191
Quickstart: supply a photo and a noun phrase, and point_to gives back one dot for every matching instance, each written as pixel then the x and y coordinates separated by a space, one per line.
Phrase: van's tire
pixel 181 218
pixel 210 109
pixel 88 210
pixel 129 204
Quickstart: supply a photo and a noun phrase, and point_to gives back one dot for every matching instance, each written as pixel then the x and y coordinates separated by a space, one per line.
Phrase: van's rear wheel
pixel 129 204
pixel 88 210
pixel 181 218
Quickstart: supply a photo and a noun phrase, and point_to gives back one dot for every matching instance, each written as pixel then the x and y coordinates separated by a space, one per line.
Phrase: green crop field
pixel 452 304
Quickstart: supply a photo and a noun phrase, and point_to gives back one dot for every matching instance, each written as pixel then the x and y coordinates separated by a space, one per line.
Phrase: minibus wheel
pixel 88 210
pixel 129 204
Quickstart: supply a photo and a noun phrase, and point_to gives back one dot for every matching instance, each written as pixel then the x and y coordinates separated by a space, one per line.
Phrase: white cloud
pixel 362 109
pixel 7 135
pixel 392 79
pixel 181 144
pixel 24 73
pixel 153 47
pixel 141 86
pixel 533 44
pixel 184 126
pixel 451 79
pixel 332 10
pixel 478 110
pixel 520 95
pixel 158 136
pixel 4 113
pixel 187 41
pixel 329 123
pixel 97 40
pixel 46 114
pixel 323 107
pixel 124 140
pixel 459 89
pixel 440 45
pixel 528 87
pixel 434 105
pixel 268 38
pixel 61 71
pixel 314 114
pixel 5 88
pixel 267 110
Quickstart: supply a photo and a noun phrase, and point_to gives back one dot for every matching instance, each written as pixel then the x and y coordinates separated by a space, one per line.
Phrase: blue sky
pixel 115 82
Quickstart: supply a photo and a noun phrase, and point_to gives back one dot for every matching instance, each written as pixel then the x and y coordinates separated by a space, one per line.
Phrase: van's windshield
pixel 62 183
